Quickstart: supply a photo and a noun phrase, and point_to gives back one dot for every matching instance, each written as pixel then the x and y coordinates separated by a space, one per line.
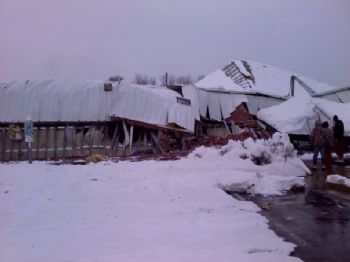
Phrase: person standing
pixel 318 141
pixel 328 145
pixel 338 131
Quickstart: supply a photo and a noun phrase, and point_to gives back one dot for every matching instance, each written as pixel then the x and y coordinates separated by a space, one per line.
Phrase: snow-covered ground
pixel 147 211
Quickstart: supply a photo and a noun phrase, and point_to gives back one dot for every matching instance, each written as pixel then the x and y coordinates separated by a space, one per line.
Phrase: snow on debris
pixel 267 79
pixel 218 81
pixel 147 211
pixel 298 114
pixel 337 179
pixel 295 116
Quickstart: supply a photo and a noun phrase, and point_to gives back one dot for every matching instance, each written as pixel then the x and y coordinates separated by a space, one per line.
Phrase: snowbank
pixel 147 211
pixel 298 114
pixel 337 179
pixel 270 167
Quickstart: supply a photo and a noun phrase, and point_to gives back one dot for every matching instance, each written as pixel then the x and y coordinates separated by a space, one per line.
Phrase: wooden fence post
pixel 37 143
pixel 47 130
pixel 55 143
pixel 4 144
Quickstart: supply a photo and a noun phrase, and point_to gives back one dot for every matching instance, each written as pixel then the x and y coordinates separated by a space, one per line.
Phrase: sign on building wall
pixel 28 131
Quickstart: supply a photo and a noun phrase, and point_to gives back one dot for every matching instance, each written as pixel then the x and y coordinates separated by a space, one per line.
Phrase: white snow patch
pixel 218 81
pixel 277 80
pixel 147 211
pixel 337 179
pixel 268 79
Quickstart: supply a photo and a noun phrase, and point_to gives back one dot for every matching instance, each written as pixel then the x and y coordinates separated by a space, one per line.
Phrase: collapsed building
pixel 256 87
pixel 80 118
pixel 280 100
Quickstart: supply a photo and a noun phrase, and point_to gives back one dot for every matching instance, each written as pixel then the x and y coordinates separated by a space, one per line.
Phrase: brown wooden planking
pixel 4 143
pixel 82 142
pixel 19 150
pixel 55 143
pixel 47 129
pixel 73 140
pixel 37 142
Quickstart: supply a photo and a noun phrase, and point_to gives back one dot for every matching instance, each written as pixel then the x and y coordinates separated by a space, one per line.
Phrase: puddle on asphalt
pixel 316 220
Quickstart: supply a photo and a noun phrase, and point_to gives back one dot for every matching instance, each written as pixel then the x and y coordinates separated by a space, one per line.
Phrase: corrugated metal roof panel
pixel 53 100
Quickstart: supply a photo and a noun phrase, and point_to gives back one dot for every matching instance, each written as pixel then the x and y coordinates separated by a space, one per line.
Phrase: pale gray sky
pixel 87 39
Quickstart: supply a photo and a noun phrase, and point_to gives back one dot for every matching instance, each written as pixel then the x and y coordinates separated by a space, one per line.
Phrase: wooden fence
pixel 77 141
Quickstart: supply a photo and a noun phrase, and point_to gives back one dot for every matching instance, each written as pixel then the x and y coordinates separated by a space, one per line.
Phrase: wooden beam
pixel 19 150
pixel 82 142
pixel 156 142
pixel 105 139
pixel 145 138
pixel 47 130
pixel 139 141
pixel 228 129
pixel 65 138
pixel 99 138
pixel 55 142
pixel 114 141
pixel 126 134
pixel 30 148
pixel 150 126
pixel 91 139
pixel 126 137
pixel 183 144
pixel 37 142
pixel 58 123
pixel 131 138
pixel 116 145
pixel 4 144
pixel 73 140
pixel 11 149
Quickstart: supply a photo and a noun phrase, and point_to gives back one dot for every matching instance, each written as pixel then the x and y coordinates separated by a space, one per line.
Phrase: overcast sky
pixel 87 39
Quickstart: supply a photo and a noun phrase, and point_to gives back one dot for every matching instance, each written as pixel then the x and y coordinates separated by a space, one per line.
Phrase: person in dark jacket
pixel 318 141
pixel 328 146
pixel 338 131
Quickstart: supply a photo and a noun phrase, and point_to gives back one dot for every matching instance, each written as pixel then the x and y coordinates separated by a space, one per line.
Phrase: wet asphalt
pixel 317 220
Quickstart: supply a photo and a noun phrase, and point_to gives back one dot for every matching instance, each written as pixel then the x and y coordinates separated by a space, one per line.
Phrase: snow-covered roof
pixel 338 94
pixel 250 76
pixel 54 100
pixel 218 81
pixel 73 100
pixel 153 105
pixel 298 114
